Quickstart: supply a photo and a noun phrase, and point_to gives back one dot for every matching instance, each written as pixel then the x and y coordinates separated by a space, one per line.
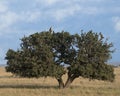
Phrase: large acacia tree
pixel 54 54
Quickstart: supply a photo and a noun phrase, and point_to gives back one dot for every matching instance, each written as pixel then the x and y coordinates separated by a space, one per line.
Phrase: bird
pixel 51 30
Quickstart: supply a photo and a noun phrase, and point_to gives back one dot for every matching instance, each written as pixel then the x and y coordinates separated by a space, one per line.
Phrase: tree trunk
pixel 61 83
pixel 69 81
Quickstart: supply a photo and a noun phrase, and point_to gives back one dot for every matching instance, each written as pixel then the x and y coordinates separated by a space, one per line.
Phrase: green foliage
pixel 93 53
pixel 35 58
pixel 46 53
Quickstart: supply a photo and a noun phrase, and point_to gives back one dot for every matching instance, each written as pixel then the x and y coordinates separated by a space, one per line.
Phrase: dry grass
pixel 11 86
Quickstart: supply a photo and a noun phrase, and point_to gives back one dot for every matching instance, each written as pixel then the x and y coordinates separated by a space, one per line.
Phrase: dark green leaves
pixel 48 53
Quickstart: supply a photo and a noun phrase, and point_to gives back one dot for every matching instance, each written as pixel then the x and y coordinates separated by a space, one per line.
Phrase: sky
pixel 19 18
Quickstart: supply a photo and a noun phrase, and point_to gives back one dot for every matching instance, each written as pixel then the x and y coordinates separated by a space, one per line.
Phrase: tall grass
pixel 14 86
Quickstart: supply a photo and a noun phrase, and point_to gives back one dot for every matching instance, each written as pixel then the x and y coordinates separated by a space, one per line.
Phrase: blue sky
pixel 24 17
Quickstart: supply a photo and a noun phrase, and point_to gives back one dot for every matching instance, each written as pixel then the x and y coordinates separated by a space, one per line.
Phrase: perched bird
pixel 51 30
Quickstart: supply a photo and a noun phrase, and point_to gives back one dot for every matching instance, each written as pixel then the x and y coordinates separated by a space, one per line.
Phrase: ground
pixel 15 86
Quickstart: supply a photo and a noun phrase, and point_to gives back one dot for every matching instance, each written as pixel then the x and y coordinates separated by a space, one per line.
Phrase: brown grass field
pixel 13 86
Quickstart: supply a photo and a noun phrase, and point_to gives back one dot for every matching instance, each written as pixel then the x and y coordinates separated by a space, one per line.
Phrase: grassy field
pixel 12 86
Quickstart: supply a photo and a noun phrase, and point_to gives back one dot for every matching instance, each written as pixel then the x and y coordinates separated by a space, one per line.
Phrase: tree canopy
pixel 54 54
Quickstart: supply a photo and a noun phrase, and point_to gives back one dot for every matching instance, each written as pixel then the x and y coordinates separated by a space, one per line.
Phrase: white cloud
pixel 60 14
pixel 117 23
pixel 3 7
pixel 34 16
pixel 30 16
pixel 57 10
pixel 91 10
pixel 61 9
pixel 47 2
pixel 8 18
pixel 84 1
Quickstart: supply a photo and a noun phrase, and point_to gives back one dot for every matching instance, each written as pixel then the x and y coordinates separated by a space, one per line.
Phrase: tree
pixel 48 54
